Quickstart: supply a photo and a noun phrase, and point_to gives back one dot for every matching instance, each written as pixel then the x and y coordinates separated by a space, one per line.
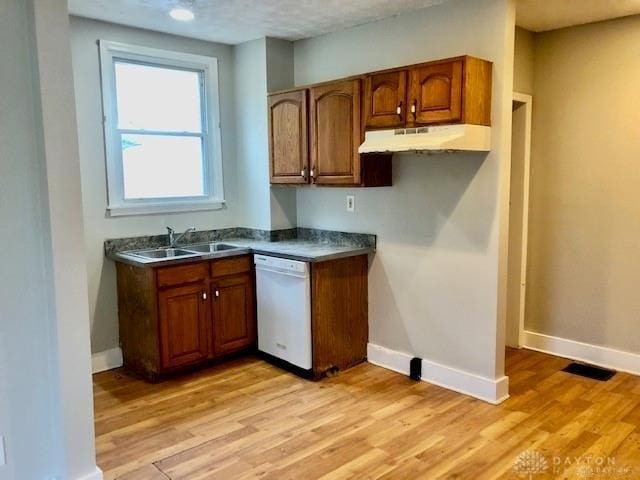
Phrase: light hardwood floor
pixel 248 419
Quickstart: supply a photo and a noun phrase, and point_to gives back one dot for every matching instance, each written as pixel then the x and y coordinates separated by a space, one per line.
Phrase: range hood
pixel 445 138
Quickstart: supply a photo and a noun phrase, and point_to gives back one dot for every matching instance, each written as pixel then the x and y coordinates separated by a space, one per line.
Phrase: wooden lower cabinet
pixel 339 313
pixel 234 326
pixel 183 325
pixel 178 317
pixel 182 316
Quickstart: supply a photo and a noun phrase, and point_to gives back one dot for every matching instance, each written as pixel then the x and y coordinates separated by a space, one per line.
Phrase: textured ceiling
pixel 236 21
pixel 542 15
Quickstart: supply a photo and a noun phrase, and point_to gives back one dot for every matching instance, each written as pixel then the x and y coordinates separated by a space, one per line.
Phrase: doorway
pixel 518 218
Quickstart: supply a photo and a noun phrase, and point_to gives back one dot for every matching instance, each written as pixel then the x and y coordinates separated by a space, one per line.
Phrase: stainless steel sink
pixel 211 247
pixel 205 250
pixel 163 253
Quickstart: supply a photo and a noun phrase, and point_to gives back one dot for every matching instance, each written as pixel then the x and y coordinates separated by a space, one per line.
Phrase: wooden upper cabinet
pixel 450 91
pixel 234 319
pixel 183 325
pixel 288 143
pixel 315 132
pixel 476 88
pixel 335 133
pixel 385 100
pixel 436 93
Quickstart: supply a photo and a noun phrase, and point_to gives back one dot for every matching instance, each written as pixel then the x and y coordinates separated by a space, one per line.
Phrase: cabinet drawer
pixel 181 274
pixel 230 266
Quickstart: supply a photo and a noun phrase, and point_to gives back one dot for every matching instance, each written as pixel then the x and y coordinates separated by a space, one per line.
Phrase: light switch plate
pixel 3 459
pixel 351 203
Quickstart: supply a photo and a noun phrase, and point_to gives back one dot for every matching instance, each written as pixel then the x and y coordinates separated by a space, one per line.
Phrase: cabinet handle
pixel 399 109
pixel 204 295
pixel 413 107
pixel 217 293
pixel 303 173
pixel 313 172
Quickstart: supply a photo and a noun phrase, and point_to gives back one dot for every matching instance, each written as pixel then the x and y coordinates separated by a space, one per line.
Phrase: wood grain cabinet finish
pixel 181 316
pixel 233 314
pixel 183 325
pixel 450 91
pixel 385 100
pixel 164 330
pixel 288 142
pixel 339 314
pixel 318 145
pixel 335 133
pixel 435 92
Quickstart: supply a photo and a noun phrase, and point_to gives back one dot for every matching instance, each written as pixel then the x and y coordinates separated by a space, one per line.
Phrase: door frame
pixel 525 100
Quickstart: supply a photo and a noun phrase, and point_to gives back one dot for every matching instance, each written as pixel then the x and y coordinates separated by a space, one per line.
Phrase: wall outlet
pixel 351 203
pixel 3 457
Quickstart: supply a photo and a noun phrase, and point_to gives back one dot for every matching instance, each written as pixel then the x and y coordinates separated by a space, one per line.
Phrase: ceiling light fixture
pixel 183 11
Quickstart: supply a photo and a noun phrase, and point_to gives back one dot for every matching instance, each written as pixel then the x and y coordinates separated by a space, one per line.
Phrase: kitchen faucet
pixel 173 240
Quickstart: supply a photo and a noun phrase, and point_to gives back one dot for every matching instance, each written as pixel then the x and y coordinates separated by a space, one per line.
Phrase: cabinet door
pixel 335 133
pixel 435 93
pixel 288 143
pixel 183 325
pixel 385 100
pixel 234 320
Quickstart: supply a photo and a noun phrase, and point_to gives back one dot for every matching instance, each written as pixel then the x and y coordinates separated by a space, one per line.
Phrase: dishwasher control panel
pixel 281 263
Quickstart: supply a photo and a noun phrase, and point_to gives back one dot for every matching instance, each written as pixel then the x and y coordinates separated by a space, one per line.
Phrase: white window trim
pixel 117 205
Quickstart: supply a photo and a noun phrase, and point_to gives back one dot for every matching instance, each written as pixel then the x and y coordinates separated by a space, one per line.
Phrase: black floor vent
pixel 589 371
pixel 415 368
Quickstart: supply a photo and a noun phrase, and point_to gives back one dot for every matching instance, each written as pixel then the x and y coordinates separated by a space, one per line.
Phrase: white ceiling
pixel 236 21
pixel 542 15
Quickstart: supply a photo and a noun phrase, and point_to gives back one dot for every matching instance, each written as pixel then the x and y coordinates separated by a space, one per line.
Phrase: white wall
pixel 28 403
pixel 70 291
pixel 523 62
pixel 434 288
pixel 584 229
pixel 46 409
pixel 260 66
pixel 251 125
pixel 98 227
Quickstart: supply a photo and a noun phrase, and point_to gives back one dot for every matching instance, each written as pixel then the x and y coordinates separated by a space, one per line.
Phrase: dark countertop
pixel 310 248
pixel 302 250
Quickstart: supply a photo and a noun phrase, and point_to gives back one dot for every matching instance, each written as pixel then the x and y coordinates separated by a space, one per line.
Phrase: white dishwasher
pixel 284 309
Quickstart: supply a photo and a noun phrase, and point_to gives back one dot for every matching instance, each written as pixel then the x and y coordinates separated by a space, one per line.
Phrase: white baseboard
pixel 486 389
pixel 106 360
pixel 95 475
pixel 583 352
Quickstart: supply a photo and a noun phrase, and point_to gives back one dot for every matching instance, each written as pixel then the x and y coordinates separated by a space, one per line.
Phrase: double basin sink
pixel 166 253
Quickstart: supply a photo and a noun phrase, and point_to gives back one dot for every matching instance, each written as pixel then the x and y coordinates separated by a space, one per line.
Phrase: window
pixel 161 129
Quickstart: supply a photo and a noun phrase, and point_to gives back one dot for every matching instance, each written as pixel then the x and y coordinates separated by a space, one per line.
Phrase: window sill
pixel 158 208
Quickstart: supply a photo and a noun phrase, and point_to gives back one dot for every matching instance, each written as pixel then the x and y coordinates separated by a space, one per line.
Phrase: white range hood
pixel 446 138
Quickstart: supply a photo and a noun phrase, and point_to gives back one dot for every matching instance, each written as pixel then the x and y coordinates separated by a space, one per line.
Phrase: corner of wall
pixel 280 76
pixel 69 288
pixel 523 64
pixel 261 66
pixel 507 75
pixel 250 89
